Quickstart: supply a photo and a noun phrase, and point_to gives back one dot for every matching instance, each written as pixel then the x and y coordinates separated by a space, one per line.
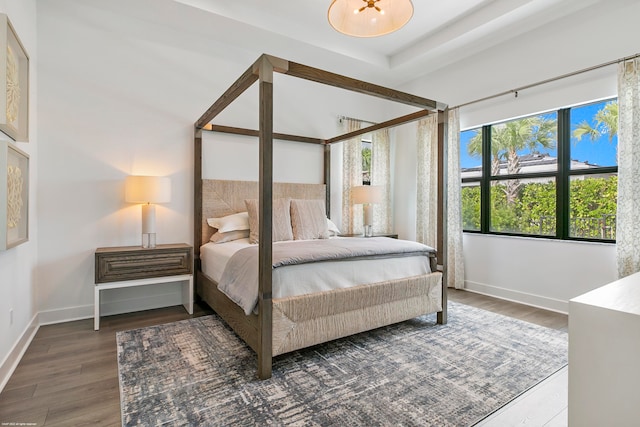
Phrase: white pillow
pixel 333 229
pixel 238 221
pixel 229 236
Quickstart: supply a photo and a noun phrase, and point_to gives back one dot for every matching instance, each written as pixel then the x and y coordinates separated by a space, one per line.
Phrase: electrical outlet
pixel 10 316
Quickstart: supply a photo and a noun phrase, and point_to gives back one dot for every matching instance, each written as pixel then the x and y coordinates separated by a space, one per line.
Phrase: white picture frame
pixel 14 82
pixel 14 194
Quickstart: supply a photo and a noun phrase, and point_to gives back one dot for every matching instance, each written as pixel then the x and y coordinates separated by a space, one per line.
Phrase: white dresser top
pixel 622 295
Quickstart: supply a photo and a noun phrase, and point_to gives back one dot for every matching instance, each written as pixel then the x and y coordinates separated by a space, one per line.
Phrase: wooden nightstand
pixel 128 266
pixel 393 236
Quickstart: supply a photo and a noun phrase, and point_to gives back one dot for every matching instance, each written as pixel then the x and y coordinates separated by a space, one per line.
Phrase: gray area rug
pixel 196 372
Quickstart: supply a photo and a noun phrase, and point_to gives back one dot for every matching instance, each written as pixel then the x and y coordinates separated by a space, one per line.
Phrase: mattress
pixel 293 280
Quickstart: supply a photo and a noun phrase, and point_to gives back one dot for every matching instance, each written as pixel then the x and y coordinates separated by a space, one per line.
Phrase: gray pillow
pixel 281 220
pixel 309 219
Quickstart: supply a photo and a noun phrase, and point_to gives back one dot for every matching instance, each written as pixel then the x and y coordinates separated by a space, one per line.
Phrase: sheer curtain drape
pixel 628 215
pixel 381 176
pixel 427 197
pixel 455 259
pixel 351 177
pixel 427 185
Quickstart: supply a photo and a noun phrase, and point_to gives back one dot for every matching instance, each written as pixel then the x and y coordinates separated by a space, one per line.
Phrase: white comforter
pixel 313 277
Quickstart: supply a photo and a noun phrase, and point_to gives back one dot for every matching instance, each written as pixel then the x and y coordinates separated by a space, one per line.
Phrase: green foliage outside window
pixel 366 159
pixel 532 212
pixel 471 207
pixel 592 208
pixel 366 162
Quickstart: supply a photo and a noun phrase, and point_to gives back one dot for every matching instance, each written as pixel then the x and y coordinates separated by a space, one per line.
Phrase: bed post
pixel 442 207
pixel 265 68
pixel 327 178
pixel 197 201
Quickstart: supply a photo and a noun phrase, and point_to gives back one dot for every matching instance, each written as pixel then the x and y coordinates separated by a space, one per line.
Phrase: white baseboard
pixel 537 301
pixel 129 305
pixel 10 363
pixel 68 314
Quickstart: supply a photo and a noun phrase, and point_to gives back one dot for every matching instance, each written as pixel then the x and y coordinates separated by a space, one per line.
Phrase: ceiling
pixel 440 33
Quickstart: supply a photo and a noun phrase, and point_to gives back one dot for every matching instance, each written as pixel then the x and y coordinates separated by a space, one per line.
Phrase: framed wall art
pixel 14 82
pixel 14 194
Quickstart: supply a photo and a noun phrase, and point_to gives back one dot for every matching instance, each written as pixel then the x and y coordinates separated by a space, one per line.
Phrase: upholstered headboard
pixel 221 197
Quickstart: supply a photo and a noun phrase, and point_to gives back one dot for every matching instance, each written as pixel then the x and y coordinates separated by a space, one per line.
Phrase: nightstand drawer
pixel 134 262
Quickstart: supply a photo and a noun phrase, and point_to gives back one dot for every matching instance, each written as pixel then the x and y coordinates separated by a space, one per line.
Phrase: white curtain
pixel 352 220
pixel 381 176
pixel 455 259
pixel 427 171
pixel 628 215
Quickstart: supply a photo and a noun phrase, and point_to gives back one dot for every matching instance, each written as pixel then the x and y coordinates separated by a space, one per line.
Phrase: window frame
pixel 562 175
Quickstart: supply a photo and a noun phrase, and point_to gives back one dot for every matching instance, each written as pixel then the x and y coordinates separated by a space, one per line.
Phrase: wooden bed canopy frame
pixel 262 71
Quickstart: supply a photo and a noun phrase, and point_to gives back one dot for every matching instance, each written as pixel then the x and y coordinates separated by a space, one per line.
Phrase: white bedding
pixel 308 278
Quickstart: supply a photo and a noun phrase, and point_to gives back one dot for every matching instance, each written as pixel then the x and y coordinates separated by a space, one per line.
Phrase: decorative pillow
pixel 281 220
pixel 309 219
pixel 219 237
pixel 233 222
pixel 333 228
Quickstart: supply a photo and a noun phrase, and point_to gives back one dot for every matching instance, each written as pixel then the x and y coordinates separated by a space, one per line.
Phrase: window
pixel 471 151
pixel 366 161
pixel 551 175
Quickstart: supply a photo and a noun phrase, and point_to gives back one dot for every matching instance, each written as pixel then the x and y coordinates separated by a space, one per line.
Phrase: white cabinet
pixel 604 355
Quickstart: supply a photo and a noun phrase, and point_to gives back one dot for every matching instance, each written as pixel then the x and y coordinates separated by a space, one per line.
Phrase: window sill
pixel 538 239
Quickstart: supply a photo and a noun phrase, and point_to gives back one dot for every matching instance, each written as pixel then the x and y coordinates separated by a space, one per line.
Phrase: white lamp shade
pixel 356 17
pixel 147 189
pixel 363 194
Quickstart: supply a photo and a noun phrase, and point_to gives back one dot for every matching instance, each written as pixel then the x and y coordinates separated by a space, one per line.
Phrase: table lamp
pixel 148 190
pixel 366 195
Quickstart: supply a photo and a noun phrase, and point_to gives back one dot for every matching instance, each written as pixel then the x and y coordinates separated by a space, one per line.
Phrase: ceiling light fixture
pixel 369 18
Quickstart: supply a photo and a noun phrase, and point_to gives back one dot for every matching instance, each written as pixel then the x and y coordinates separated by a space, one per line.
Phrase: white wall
pixel 237 157
pixel 539 272
pixel 18 265
pixel 115 101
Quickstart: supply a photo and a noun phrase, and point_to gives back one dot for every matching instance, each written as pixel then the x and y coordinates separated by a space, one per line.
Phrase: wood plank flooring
pixel 69 374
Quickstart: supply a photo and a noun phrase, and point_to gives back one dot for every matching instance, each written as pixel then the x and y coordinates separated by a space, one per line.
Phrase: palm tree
pixel 507 139
pixel 606 122
pixel 474 148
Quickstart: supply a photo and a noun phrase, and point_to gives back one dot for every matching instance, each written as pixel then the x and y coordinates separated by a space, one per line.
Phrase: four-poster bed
pixel 281 325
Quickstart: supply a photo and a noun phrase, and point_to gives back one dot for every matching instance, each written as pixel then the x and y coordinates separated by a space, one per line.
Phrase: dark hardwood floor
pixel 69 374
pixel 527 313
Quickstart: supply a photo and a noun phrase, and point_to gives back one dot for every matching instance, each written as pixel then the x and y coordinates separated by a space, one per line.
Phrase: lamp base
pixel 149 226
pixel 368 220
pixel 148 240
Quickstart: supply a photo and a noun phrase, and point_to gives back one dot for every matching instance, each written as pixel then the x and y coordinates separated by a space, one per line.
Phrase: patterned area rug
pixel 416 373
